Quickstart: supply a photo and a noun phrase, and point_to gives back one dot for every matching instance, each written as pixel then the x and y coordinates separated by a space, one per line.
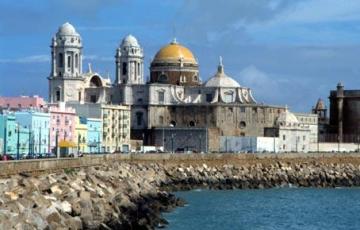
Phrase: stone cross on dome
pixel 221 66
pixel 174 41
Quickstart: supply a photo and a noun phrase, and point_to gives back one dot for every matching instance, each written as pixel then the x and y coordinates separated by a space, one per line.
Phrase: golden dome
pixel 174 52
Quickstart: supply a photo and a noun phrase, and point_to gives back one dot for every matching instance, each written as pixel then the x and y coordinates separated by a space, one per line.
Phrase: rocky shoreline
pixel 121 195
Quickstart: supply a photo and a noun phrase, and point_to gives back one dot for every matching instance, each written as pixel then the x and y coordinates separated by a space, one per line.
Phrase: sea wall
pixel 131 194
pixel 48 165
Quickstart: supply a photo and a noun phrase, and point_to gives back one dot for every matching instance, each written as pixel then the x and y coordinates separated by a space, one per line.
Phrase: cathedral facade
pixel 173 100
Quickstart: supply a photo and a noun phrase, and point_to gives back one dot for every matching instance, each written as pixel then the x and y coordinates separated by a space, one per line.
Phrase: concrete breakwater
pixel 132 195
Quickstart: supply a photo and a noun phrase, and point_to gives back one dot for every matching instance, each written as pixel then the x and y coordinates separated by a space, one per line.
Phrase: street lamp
pixel 18 143
pixel 57 143
pixel 172 143
pixel 143 144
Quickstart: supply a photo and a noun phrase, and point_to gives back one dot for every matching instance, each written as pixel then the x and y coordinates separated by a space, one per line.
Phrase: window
pixel 284 137
pixel 76 60
pixel 195 78
pixel 69 61
pixel 61 60
pixel 163 78
pixel 138 68
pixel 242 124
pixel 161 97
pixel 139 118
pixel 79 96
pixel 304 138
pixel 173 123
pixel 242 109
pixel 57 95
pixel 124 68
pixel 93 99
pixel 192 123
pixel 209 97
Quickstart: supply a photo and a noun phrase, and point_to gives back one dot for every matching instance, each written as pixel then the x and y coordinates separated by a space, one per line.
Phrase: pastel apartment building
pixel 38 123
pixel 22 102
pixel 94 135
pixel 81 134
pixel 62 125
pixel 8 139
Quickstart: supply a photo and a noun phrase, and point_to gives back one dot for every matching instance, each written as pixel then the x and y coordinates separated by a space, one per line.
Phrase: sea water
pixel 282 208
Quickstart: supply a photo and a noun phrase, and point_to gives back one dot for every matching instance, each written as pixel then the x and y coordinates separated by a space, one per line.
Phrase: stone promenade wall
pixel 15 167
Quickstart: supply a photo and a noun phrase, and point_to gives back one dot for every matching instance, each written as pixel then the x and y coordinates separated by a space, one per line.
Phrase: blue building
pixel 94 136
pixel 8 134
pixel 38 124
pixel 14 138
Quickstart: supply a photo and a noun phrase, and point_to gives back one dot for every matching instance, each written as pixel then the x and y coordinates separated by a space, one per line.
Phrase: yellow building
pixel 81 134
pixel 116 128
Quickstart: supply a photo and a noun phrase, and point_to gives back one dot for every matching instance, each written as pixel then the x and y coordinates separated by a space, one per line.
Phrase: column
pixel 340 119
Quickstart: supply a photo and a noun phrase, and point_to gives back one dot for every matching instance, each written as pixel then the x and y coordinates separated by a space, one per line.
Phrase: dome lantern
pixel 67 29
pixel 129 41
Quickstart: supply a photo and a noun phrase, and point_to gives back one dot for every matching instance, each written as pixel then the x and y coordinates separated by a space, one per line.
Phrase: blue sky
pixel 289 52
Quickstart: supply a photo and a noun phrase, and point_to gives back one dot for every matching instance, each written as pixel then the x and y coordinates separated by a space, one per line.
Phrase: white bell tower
pixel 66 65
pixel 129 62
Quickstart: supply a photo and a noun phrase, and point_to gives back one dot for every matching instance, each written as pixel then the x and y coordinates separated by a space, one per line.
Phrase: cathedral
pixel 174 108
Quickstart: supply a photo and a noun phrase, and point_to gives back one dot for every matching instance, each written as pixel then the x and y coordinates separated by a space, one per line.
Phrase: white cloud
pixel 316 11
pixel 28 59
pixel 252 76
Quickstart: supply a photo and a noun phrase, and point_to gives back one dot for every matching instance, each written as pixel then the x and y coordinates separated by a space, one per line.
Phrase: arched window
pixel 192 123
pixel 69 61
pixel 124 68
pixel 76 61
pixel 61 60
pixel 57 95
pixel 242 124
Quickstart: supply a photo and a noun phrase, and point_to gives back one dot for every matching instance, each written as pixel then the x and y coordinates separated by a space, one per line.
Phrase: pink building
pixel 62 124
pixel 22 102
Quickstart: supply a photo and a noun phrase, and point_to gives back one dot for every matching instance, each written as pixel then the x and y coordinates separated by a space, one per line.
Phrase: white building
pixel 294 136
pixel 311 121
